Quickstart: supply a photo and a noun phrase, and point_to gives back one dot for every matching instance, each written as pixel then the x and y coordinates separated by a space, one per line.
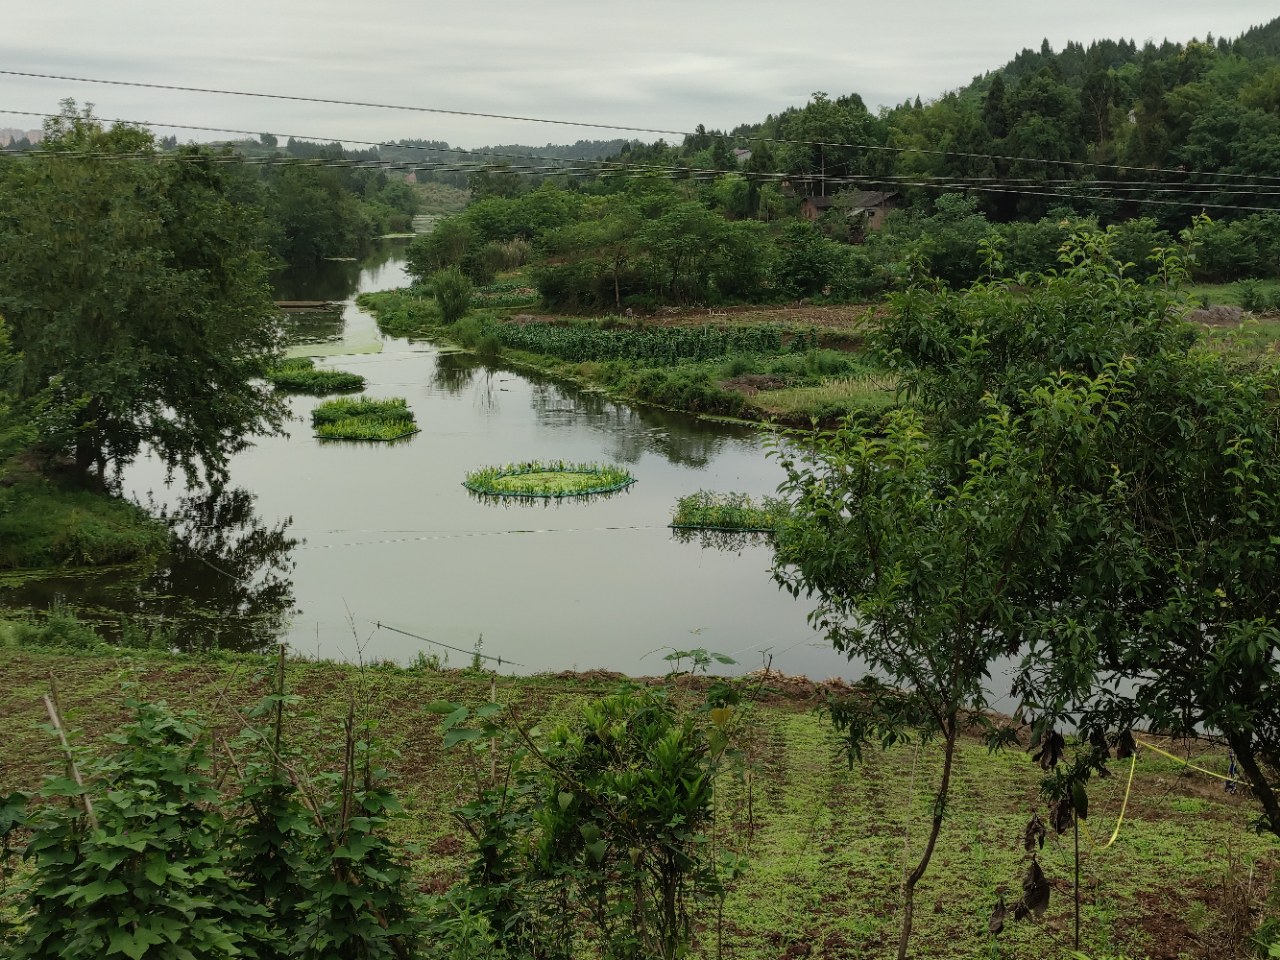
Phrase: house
pixel 811 208
pixel 873 205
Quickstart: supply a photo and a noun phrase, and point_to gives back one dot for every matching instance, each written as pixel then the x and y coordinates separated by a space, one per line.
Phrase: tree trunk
pixel 909 888
pixel 1242 744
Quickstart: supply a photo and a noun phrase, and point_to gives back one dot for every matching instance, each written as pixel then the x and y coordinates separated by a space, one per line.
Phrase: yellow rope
pixel 1133 763
pixel 1188 764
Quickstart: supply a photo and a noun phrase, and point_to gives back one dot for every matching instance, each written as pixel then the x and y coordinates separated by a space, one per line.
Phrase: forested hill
pixel 1188 112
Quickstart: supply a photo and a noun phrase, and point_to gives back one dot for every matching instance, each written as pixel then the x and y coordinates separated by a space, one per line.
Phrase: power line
pixel 1017 186
pixel 927 151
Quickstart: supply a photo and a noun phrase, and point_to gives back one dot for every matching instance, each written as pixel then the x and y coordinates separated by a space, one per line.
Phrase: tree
pixel 137 294
pixel 926 564
pixel 1161 606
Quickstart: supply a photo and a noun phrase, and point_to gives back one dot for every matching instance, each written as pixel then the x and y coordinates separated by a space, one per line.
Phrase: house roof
pixel 866 199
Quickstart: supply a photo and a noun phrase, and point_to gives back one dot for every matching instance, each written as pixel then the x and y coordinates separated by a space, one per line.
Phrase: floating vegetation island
pixel 735 512
pixel 299 375
pixel 552 478
pixel 363 419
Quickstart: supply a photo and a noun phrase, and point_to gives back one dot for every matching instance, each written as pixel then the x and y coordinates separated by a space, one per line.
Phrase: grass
pixel 865 397
pixel 554 478
pixel 44 523
pixel 705 510
pixel 363 419
pixel 401 313
pixel 299 375
pixel 825 843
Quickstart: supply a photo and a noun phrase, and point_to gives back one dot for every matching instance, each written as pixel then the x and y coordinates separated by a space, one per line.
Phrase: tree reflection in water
pixel 227 583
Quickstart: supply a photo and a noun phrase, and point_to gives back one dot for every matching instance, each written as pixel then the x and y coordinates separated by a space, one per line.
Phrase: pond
pixel 335 546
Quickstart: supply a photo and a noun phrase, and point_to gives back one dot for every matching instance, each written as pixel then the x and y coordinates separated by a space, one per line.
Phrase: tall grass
pixel 705 510
pixel 363 418
pixel 299 375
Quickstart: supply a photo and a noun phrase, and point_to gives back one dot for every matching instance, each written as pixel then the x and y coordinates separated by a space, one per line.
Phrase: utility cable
pixel 671 172
pixel 601 167
pixel 623 128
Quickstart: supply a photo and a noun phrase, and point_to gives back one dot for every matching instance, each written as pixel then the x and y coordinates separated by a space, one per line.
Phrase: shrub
pixel 452 291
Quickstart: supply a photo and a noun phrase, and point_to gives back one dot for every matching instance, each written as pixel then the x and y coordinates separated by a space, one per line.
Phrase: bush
pixel 452 291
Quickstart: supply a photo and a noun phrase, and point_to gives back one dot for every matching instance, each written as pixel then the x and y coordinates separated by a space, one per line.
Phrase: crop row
pixel 665 345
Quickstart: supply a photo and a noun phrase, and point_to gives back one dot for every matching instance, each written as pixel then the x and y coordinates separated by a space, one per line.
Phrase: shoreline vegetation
pixel 821 843
pixel 764 364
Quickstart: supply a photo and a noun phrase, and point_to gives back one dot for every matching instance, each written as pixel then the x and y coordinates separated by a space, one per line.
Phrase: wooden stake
pixel 73 771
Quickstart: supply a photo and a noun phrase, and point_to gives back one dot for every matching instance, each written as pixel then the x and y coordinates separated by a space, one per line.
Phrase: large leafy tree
pixel 136 290
pixel 1164 609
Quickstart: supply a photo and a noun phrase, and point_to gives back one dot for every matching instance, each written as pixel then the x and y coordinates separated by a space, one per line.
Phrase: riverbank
pixel 791 366
pixel 46 522
pixel 825 844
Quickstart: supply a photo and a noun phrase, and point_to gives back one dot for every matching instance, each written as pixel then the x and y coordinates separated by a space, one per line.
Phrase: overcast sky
pixel 656 64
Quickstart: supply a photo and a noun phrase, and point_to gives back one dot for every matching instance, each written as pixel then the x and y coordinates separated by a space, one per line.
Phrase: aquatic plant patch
pixel 363 418
pixel 299 375
pixel 555 478
pixel 705 510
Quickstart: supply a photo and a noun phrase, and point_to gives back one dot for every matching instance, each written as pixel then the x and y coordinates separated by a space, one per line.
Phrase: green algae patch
pixel 363 419
pixel 550 479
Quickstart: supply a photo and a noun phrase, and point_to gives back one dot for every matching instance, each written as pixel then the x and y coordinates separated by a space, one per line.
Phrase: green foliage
pixel 659 345
pixel 452 291
pixel 137 295
pixel 146 874
pixel 1174 563
pixel 401 313
pixel 299 375
pixel 551 478
pixel 363 419
pixel 46 524
pixel 705 510
pixel 139 862
pixel 608 816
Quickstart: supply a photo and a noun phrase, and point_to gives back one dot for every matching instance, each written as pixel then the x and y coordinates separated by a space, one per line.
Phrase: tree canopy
pixel 136 290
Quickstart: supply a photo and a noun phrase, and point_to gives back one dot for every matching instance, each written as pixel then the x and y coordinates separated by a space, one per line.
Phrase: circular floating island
pixel 553 479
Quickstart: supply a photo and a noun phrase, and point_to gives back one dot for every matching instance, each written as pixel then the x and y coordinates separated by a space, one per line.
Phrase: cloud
pixel 664 64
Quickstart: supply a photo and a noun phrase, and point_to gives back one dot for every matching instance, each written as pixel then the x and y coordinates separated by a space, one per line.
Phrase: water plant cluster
pixel 299 375
pixel 706 510
pixel 363 419
pixel 550 478
pixel 581 342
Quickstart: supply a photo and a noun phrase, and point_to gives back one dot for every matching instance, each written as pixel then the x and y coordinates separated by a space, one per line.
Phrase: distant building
pixel 873 205
pixel 811 208
pixel 742 156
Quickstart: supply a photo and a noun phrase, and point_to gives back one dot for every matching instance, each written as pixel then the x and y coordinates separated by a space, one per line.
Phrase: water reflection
pixel 328 280
pixel 732 541
pixel 227 570
pixel 631 432
pixel 454 372
pixel 313 326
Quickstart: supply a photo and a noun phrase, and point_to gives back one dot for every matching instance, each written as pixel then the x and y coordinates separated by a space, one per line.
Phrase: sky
pixel 661 64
